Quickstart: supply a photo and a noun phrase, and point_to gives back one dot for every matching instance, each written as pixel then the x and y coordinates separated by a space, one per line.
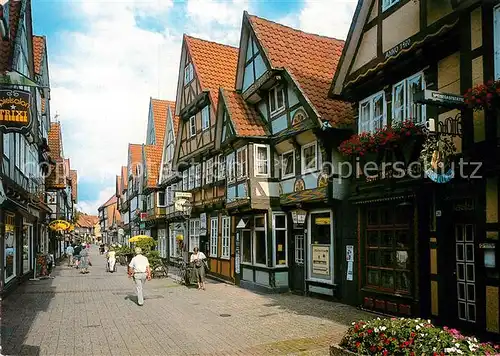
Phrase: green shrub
pixel 146 244
pixel 403 336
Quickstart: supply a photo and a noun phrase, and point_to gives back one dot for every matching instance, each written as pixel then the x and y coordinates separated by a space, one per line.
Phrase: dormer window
pixel 192 126
pixel 276 100
pixel 188 73
pixel 386 4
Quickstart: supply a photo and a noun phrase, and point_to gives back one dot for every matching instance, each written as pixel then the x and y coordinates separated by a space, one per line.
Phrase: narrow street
pixel 96 314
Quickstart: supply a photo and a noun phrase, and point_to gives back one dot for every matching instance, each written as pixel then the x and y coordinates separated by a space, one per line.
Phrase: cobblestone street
pixel 96 314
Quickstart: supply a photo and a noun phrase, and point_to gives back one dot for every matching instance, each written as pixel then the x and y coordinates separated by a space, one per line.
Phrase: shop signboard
pixel 349 256
pixel 322 221
pixel 321 260
pixel 237 254
pixel 182 202
pixel 15 110
pixel 438 98
pixel 203 224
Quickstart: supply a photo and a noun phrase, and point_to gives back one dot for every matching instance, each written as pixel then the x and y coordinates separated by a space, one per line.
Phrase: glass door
pixel 10 248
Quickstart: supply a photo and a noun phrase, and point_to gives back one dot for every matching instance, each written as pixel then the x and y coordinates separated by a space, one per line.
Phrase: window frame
pixel 214 236
pixel 273 92
pixel 370 100
pixel 275 250
pixel 188 73
pixel 407 102
pixel 185 180
pixel 191 177
pixel 230 167
pixel 197 175
pixel 221 167
pixel 239 166
pixel 290 175
pixel 226 238
pixel 254 240
pixel 192 126
pixel 205 118
pixel 387 4
pixel 305 170
pixel 209 169
pixel 193 228
pixel 268 160
pixel 172 242
pixel 164 198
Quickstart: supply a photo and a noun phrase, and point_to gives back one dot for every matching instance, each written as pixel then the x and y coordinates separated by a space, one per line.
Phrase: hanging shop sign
pixel 299 217
pixel 437 158
pixel 15 110
pixel 438 98
pixel 59 225
pixel 321 260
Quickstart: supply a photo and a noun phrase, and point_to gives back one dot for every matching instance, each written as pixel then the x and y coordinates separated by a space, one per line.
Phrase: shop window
pixel 320 240
pixel 288 164
pixel 194 234
pixel 260 240
pixel 214 236
pixel 280 238
pixel 226 236
pixel 27 238
pixel 246 246
pixel 372 113
pixel 10 248
pixel 388 248
pixel 173 246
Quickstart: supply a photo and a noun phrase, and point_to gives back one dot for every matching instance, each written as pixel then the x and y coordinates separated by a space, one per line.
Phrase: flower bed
pixel 483 96
pixel 365 142
pixel 403 336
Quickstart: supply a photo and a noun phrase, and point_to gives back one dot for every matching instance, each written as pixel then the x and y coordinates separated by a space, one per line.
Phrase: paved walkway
pixel 96 314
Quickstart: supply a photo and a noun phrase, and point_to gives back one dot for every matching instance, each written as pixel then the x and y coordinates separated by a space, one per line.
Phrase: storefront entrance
pixel 320 247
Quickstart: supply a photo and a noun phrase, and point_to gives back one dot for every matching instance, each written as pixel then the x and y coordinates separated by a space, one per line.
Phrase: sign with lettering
pixel 398 48
pixel 321 260
pixel 299 216
pixel 438 98
pixel 15 110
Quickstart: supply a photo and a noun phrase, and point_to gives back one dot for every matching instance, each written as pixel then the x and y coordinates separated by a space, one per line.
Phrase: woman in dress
pixel 84 260
pixel 197 259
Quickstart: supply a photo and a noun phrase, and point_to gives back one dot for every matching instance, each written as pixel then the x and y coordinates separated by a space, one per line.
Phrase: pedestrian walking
pixel 84 260
pixel 198 259
pixel 69 253
pixel 140 271
pixel 76 255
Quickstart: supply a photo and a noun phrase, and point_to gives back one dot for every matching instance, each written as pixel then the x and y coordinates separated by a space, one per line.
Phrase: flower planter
pixel 336 350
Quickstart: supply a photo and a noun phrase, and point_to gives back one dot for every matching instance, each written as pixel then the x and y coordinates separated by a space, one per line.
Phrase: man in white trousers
pixel 140 271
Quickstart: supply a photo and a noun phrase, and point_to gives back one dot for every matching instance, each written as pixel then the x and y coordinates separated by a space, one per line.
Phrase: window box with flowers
pixel 404 336
pixel 483 96
pixel 368 145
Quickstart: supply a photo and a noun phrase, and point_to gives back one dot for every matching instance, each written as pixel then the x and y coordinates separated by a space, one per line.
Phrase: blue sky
pixel 107 57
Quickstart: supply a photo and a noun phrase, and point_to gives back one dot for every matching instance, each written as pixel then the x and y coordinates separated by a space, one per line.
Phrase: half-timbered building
pixel 204 68
pixel 134 198
pixel 426 243
pixel 281 191
pixel 122 202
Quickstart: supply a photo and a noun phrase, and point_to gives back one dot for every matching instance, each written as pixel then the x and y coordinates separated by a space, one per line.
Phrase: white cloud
pixel 90 207
pixel 324 17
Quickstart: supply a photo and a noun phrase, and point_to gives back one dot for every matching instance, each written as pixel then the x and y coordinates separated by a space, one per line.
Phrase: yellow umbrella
pixel 137 238
pixel 58 225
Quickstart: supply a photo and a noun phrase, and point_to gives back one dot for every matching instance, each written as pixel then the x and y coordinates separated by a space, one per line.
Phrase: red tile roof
pixel 109 202
pixel 7 46
pixel 85 220
pixel 74 185
pixel 246 120
pixel 310 59
pixel 214 63
pixel 38 52
pixel 160 108
pixel 55 139
pixel 175 118
pixel 135 156
pixel 152 164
